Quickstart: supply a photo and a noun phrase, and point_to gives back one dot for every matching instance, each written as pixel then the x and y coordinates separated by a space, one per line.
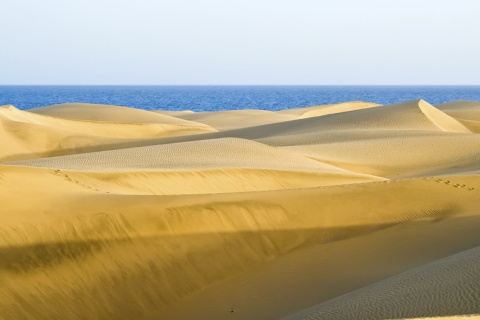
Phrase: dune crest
pixel 442 120
pixel 346 211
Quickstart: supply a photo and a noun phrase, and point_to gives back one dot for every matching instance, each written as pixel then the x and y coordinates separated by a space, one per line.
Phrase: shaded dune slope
pixel 449 286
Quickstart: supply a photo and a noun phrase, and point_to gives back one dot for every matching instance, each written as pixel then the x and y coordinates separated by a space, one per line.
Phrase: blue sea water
pixel 215 98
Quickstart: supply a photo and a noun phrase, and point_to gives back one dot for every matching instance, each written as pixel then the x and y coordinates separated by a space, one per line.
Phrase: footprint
pixel 456 185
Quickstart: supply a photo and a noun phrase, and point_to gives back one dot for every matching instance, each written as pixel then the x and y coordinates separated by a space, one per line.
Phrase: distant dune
pixel 347 211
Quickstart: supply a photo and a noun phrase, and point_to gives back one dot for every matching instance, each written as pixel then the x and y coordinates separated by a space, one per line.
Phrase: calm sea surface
pixel 215 98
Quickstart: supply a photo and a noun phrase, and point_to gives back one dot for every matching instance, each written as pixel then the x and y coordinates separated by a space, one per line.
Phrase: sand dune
pixel 104 128
pixel 228 165
pixel 235 119
pixel 466 112
pixel 322 110
pixel 414 115
pixel 456 105
pixel 448 286
pixel 27 135
pixel 107 113
pixel 405 116
pixel 348 211
pixel 397 154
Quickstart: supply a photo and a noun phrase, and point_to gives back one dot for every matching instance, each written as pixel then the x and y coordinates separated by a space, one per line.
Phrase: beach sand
pixel 348 211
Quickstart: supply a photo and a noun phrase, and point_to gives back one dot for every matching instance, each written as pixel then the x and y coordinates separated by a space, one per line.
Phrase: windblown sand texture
pixel 347 211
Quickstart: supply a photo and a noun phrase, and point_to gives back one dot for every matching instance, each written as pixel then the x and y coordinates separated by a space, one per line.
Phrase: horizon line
pixel 246 85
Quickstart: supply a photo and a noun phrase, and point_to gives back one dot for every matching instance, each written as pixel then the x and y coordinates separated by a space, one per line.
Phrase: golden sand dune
pixel 322 110
pixel 413 115
pixel 397 154
pixel 235 119
pixel 201 155
pixel 448 286
pixel 466 112
pixel 162 249
pixel 106 128
pixel 27 135
pixel 353 211
pixel 107 113
pixel 228 165
pixel 458 105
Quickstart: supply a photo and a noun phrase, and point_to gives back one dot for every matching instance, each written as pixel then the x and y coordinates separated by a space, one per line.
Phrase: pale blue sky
pixel 240 42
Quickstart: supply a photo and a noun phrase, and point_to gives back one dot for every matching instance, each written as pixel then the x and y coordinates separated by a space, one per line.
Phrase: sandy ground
pixel 348 211
pixel 467 317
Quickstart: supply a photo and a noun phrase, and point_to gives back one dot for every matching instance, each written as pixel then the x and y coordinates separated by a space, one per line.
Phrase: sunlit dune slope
pixel 107 113
pixel 223 165
pixel 28 135
pixel 209 154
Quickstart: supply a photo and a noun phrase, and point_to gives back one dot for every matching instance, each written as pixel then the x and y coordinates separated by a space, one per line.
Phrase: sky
pixel 240 42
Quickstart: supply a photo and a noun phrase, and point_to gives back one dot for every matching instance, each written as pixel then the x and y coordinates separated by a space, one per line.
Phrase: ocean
pixel 216 98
